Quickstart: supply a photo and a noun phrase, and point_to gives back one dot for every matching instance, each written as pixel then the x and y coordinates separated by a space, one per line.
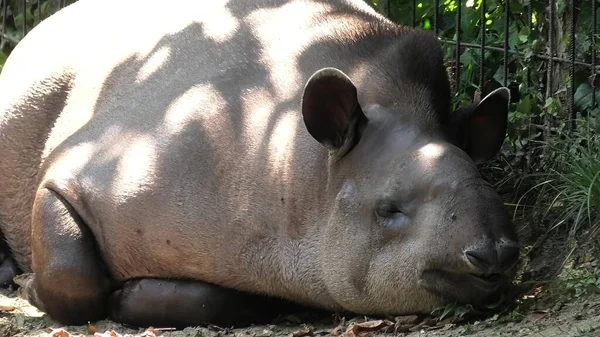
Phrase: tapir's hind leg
pixel 70 281
pixel 174 303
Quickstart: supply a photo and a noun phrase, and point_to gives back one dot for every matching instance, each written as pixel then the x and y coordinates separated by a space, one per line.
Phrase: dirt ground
pixel 576 318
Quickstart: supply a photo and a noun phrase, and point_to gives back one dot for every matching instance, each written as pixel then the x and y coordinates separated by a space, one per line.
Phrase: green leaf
pixel 499 75
pixel 585 45
pixel 583 95
pixel 3 58
pixel 524 34
pixel 467 58
pixel 524 106
pixel 427 24
pixel 561 7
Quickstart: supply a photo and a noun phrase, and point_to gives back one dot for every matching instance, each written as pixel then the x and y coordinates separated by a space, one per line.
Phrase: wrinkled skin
pixel 244 154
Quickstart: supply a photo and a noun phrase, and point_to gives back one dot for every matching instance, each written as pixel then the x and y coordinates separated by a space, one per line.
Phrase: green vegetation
pixel 19 21
pixel 568 194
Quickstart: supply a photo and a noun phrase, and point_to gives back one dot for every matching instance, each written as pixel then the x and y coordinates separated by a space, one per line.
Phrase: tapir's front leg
pixel 175 303
pixel 70 281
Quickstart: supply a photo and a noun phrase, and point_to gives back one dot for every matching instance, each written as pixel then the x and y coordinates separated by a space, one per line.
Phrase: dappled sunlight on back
pixel 196 104
pixel 431 151
pixel 219 24
pixel 281 142
pixel 154 63
pixel 136 168
pixel 75 158
pixel 257 107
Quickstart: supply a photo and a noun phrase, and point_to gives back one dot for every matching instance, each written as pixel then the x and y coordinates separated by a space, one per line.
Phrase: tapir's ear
pixel 330 109
pixel 480 129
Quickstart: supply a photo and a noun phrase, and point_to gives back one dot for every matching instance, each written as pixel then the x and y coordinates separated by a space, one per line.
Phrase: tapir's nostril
pixel 493 259
pixel 484 259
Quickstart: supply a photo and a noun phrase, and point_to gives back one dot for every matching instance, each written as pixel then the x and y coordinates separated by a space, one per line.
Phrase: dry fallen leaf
pixel 302 333
pixel 153 332
pixel 91 329
pixel 7 308
pixel 412 319
pixel 447 321
pixel 341 323
pixel 403 328
pixel 337 330
pixel 60 333
pixel 427 324
pixel 537 315
pixel 111 333
pixel 405 323
pixel 356 328
pixel 159 330
pixel 148 333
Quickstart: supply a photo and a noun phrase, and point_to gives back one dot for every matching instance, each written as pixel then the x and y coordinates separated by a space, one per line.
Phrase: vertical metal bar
pixel 458 37
pixel 594 32
pixel 482 47
pixel 572 72
pixel 549 82
pixel 530 25
pixel 4 12
pixel 506 32
pixel 62 3
pixel 436 18
pixel 414 13
pixel 529 22
pixel 550 74
pixel 388 9
pixel 24 17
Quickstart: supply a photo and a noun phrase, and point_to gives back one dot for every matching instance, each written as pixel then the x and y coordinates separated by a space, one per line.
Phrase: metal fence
pixel 549 56
pixel 35 9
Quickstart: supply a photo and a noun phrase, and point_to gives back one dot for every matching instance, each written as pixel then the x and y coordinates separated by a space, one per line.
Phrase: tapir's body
pixel 179 145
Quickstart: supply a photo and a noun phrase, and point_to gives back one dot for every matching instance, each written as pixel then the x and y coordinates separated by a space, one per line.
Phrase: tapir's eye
pixel 387 209
pixel 389 215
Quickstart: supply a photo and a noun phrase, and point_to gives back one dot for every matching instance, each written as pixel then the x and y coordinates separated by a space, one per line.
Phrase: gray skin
pixel 298 150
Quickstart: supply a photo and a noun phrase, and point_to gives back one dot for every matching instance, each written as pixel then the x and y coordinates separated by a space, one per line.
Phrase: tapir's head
pixel 412 223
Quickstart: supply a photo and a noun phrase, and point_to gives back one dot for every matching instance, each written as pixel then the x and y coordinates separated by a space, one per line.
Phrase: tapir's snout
pixel 492 263
pixel 487 269
pixel 489 257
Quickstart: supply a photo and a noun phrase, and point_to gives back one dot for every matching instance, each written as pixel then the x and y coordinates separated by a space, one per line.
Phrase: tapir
pixel 176 163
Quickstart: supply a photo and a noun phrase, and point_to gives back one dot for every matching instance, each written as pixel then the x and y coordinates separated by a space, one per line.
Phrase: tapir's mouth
pixel 466 288
pixel 490 281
